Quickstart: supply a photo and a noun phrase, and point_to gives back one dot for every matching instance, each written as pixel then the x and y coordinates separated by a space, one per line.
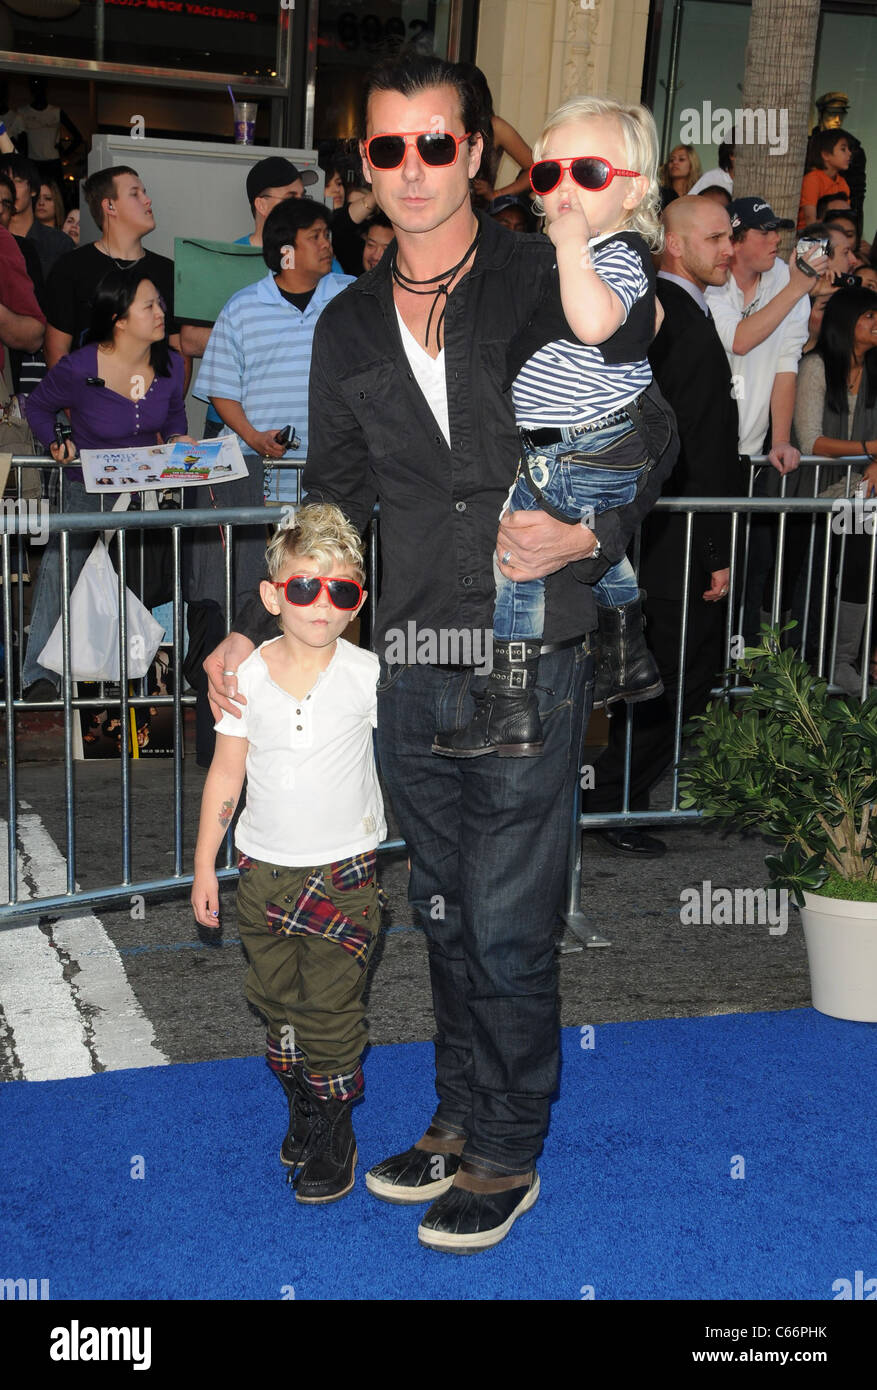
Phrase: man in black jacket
pixel 407 407
pixel 691 368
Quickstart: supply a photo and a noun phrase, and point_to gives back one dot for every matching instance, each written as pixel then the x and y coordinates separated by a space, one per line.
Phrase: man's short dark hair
pixel 283 224
pixel 377 219
pixel 410 72
pixel 103 185
pixel 726 154
pixel 17 167
pixel 6 182
pixel 822 203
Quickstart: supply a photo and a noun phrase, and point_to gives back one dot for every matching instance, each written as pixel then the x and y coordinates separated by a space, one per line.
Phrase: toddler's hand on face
pixel 570 226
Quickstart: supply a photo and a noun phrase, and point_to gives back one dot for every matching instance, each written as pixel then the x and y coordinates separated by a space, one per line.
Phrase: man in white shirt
pixel 762 320
pixel 761 317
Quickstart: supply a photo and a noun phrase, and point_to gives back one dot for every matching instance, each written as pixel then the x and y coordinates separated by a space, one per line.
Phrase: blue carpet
pixel 637 1199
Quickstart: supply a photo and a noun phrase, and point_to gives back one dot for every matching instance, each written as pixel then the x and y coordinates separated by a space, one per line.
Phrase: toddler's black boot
pixel 626 669
pixel 506 721
pixel 329 1155
pixel 301 1117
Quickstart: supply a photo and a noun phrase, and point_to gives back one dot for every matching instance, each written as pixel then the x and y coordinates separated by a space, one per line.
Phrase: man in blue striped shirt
pixel 258 359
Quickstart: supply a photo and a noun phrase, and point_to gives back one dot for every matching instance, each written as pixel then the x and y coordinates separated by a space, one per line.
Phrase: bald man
pixel 691 368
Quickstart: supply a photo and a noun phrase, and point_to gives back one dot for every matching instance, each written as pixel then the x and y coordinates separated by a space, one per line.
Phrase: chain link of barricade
pixel 13 527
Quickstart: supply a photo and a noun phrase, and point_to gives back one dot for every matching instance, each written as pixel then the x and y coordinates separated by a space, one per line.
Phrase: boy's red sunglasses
pixel 302 590
pixel 436 148
pixel 589 171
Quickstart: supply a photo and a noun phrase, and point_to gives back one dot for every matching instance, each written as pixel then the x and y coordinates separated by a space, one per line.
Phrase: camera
pixel 806 247
pixel 63 432
pixel 287 437
pixel 847 282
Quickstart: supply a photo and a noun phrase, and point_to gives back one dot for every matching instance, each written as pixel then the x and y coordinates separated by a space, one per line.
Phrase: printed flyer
pixel 208 462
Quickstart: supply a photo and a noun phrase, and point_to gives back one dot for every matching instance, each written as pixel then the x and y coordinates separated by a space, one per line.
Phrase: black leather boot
pixel 626 669
pixel 301 1116
pixel 506 721
pixel 329 1154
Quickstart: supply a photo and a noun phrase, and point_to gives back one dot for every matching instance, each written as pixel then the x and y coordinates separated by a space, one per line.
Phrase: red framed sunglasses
pixel 303 589
pixel 589 171
pixel 436 148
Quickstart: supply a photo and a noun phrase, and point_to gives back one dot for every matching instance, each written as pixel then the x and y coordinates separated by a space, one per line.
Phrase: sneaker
pixel 464 1223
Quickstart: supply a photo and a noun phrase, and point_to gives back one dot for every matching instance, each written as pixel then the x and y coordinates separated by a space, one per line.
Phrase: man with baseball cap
pixel 761 315
pixel 268 183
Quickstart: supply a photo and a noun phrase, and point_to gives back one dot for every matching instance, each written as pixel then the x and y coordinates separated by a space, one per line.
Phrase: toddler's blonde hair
pixel 320 532
pixel 637 125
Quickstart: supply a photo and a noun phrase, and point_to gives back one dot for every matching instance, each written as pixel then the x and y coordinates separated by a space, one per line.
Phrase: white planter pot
pixel 841 942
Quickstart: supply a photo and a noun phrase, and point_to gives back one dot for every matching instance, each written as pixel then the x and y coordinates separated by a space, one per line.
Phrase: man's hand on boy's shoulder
pixel 221 668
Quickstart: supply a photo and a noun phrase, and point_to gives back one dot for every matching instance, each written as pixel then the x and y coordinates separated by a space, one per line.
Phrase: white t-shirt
pixel 429 373
pixel 753 373
pixel 312 785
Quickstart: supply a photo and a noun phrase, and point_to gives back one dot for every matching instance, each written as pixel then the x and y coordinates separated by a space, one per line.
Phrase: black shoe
pixel 301 1116
pixel 506 721
pixel 417 1175
pixel 632 842
pixel 328 1157
pixel 463 1223
pixel 40 690
pixel 626 669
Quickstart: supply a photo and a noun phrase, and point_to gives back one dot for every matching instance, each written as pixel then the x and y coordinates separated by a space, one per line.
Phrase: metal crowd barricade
pixel 782 506
pixel 176 522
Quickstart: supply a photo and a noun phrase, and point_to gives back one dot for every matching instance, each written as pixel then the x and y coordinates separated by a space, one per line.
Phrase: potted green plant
pixel 793 762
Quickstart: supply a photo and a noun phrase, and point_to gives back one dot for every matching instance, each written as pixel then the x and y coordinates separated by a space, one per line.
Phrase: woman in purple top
pixel 124 387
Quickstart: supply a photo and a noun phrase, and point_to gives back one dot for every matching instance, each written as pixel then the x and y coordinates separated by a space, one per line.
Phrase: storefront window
pixel 352 38
pixel 232 36
pixel 710 57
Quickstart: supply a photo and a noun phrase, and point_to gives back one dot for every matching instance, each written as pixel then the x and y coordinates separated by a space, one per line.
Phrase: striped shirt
pixel 567 383
pixel 259 354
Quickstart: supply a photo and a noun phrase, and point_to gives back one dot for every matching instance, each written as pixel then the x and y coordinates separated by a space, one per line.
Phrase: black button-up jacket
pixel 374 438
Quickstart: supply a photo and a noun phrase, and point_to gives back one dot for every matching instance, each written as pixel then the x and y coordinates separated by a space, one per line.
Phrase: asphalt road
pixel 140 987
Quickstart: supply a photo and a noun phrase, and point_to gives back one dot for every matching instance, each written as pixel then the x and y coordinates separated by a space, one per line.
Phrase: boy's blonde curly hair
pixel 640 138
pixel 317 531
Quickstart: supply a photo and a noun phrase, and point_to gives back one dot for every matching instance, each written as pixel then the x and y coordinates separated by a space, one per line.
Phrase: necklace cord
pixel 440 291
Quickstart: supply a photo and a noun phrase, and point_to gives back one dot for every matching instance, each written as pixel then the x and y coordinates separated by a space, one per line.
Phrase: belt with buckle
pixel 583 640
pixel 531 439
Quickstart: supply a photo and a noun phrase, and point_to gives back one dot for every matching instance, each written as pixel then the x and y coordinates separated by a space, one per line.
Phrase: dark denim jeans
pixel 488 840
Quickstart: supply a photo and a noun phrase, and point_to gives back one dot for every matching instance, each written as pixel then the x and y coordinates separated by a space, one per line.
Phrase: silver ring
pixel 229 673
pixel 507 555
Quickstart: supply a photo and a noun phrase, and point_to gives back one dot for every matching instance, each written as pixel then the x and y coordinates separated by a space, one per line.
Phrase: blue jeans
pixel 577 490
pixel 488 840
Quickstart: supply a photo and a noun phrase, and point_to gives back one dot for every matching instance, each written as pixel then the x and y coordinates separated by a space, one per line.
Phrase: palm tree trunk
pixel 780 56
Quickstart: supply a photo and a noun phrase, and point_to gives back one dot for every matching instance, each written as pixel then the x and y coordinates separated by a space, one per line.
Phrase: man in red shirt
pixel 22 323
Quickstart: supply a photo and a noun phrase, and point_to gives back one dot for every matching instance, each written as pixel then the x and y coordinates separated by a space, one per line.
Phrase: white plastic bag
pixel 94 627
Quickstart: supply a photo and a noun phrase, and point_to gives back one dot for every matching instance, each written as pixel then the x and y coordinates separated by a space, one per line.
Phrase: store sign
pixel 184 7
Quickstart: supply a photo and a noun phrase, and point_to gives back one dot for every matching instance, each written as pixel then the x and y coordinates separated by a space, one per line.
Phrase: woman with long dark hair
pixel 499 138
pixel 835 416
pixel 122 388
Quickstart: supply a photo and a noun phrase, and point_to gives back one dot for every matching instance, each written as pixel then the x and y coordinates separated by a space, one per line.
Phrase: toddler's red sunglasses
pixel 589 171
pixel 302 590
pixel 437 148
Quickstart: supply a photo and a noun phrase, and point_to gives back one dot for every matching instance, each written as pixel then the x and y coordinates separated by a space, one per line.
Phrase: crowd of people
pixel 412 344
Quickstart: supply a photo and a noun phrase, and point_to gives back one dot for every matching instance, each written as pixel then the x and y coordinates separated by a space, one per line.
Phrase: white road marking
pixel 50 1034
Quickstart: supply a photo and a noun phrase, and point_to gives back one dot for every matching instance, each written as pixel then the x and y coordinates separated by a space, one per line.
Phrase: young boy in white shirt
pixel 307 900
